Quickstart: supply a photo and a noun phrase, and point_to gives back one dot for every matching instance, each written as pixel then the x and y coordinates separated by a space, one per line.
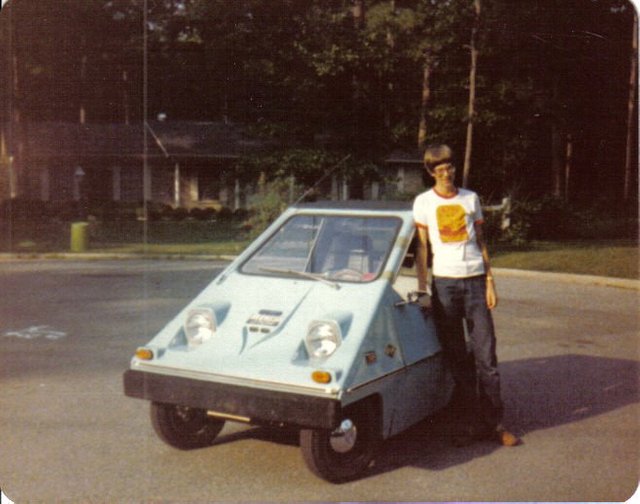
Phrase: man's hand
pixel 492 295
pixel 421 298
pixel 424 301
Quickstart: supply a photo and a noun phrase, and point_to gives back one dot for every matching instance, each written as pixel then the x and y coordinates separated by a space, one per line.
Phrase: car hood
pixel 261 327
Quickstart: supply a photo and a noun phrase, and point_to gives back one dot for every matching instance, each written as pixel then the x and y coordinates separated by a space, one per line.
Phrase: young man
pixel 449 220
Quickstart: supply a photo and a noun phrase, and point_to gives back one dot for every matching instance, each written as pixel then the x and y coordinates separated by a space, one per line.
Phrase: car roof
pixel 370 205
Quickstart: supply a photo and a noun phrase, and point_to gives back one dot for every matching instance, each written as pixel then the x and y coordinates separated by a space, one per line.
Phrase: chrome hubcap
pixel 343 439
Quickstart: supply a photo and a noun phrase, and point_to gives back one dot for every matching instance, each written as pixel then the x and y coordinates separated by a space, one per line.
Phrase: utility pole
pixel 631 104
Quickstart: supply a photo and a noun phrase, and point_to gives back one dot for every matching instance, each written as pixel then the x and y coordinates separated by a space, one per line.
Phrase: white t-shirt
pixel 450 223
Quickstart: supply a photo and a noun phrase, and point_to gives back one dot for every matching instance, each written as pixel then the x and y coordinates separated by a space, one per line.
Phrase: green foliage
pixel 553 219
pixel 309 167
pixel 298 69
pixel 109 211
pixel 4 181
pixel 285 176
pixel 395 195
pixel 271 199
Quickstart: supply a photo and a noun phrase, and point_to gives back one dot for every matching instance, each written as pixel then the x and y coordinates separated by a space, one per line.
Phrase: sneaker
pixel 506 438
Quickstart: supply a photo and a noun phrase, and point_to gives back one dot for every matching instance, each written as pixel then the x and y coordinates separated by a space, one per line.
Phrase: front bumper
pixel 257 405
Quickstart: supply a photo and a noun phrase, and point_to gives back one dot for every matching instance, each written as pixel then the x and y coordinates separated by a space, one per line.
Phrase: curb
pixel 620 283
pixel 89 256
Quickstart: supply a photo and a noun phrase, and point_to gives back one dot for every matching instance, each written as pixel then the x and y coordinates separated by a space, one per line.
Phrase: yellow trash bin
pixel 79 236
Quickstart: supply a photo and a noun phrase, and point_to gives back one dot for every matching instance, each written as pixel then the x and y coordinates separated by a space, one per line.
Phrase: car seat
pixel 348 251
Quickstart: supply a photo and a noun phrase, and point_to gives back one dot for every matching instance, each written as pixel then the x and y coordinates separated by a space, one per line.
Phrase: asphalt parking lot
pixel 569 360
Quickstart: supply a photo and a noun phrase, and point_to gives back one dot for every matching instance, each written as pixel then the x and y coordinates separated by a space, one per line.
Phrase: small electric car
pixel 311 327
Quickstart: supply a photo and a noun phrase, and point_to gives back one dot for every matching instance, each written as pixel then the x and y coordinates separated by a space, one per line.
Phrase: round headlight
pixel 200 326
pixel 323 338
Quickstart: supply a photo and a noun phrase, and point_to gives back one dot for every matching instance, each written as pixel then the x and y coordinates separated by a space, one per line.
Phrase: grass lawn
pixel 613 259
pixel 218 248
pixel 186 237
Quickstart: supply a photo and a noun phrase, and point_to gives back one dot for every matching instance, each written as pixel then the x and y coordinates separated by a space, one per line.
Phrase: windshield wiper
pixel 303 274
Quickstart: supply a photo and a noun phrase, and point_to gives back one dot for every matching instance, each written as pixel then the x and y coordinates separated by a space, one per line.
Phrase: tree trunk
pixel 125 96
pixel 358 11
pixel 4 168
pixel 424 102
pixel 567 166
pixel 472 94
pixel 83 86
pixel 391 42
pixel 557 143
pixel 16 129
pixel 557 164
pixel 633 72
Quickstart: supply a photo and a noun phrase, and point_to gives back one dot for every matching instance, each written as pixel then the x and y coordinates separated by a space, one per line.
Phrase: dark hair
pixel 435 155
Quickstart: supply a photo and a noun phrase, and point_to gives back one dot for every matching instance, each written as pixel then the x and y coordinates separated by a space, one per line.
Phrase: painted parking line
pixel 33 332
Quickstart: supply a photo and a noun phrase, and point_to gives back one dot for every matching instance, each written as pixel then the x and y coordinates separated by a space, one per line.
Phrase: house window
pixel 116 179
pixel 61 182
pixel 131 183
pixel 208 185
pixel 45 184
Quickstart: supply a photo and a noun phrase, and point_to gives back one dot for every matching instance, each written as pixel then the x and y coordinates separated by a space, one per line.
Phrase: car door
pixel 425 385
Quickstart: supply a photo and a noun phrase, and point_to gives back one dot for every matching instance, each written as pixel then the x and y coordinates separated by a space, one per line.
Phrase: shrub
pixel 553 219
pixel 102 211
pixel 393 194
pixel 24 209
pixel 203 214
pixel 270 201
pixel 179 214
pixel 225 214
pixel 528 220
pixel 241 214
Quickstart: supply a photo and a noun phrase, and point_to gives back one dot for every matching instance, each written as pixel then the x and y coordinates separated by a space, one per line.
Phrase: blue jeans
pixel 476 375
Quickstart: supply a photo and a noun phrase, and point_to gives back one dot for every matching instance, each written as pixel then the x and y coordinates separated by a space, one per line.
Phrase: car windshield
pixel 327 247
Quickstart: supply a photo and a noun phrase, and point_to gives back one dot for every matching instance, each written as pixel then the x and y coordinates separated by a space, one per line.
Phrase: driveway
pixel 568 356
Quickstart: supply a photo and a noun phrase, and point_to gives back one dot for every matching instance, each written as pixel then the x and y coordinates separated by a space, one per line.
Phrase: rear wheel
pixel 183 427
pixel 344 453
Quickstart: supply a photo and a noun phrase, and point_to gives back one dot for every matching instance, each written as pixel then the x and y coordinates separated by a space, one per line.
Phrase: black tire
pixel 338 457
pixel 183 427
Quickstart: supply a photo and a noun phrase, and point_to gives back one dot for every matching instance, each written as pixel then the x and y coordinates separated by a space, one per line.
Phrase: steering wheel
pixel 346 274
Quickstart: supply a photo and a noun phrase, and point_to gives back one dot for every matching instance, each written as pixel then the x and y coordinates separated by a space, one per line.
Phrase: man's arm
pixel 422 250
pixel 492 295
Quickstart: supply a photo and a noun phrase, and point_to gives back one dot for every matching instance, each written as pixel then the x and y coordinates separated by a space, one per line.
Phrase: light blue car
pixel 311 327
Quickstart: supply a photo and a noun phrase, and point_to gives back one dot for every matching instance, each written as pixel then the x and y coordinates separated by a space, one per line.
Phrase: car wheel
pixel 183 427
pixel 344 453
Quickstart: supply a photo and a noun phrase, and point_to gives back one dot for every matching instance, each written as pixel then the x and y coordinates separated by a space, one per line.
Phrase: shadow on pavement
pixel 539 394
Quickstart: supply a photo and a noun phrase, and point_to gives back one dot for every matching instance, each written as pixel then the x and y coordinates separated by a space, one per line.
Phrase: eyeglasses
pixel 443 169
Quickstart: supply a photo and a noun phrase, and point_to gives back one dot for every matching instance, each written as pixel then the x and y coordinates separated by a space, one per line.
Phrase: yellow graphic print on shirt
pixel 452 223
